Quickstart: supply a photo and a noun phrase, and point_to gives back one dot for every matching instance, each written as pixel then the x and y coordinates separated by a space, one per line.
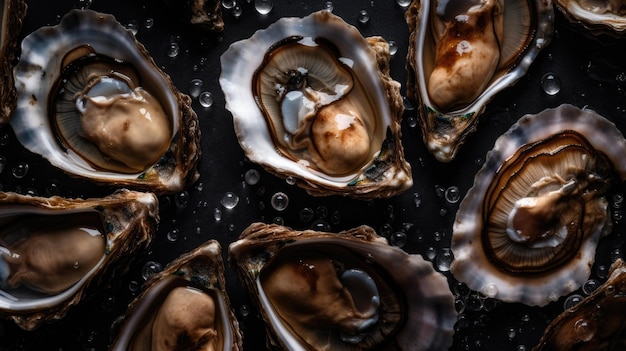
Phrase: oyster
pixel 461 55
pixel 93 102
pixel 346 291
pixel 594 324
pixel 598 16
pixel 185 307
pixel 318 105
pixel 11 16
pixel 53 249
pixel 527 230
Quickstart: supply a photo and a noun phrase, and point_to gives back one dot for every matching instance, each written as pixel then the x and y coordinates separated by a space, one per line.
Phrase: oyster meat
pixel 11 15
pixel 319 106
pixel 527 230
pixel 597 16
pixel 345 291
pixel 52 249
pixel 92 101
pixel 461 54
pixel 183 307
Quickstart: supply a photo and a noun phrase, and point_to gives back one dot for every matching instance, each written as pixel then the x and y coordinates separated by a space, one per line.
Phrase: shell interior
pixel 599 17
pixel 12 13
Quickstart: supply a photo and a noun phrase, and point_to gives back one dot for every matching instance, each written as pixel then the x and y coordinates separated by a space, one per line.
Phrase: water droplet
pixel 172 235
pixel 590 286
pixel 510 333
pixel 335 218
pixel 364 17
pixel 602 271
pixel 217 214
pixel 237 11
pixel 133 286
pixel 229 200
pixel 321 212
pixel 320 225
pixel 525 318
pixel 182 200
pixel 440 191
pixel 474 303
pixel 583 330
pixel 520 348
pixel 550 84
pixel 393 47
pixel 133 26
pixel 228 4
pixel 452 194
pixel 291 180
pixel 616 254
pixel 306 214
pixel 279 201
pixel 328 6
pixel 172 49
pixel 76 265
pixel 431 252
pixel 279 220
pixel 150 268
pixel 412 121
pixel 82 4
pixel 490 290
pixel 252 176
pixel 417 199
pixel 443 212
pixel 206 99
pixel 385 230
pixel 398 239
pixel 403 3
pixel 244 310
pixel 461 289
pixel 263 6
pixel 618 200
pixel 437 235
pixel 148 23
pixel 195 87
pixel 572 301
pixel 444 259
pixel 20 170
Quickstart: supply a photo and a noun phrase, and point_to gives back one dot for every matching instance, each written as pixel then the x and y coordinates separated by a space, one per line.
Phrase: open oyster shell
pixel 597 16
pixel 596 323
pixel 461 54
pixel 312 99
pixel 185 306
pixel 527 230
pixel 52 250
pixel 345 291
pixel 92 101
pixel 11 16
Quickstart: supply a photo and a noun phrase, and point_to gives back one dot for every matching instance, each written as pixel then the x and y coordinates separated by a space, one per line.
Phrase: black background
pixel 588 67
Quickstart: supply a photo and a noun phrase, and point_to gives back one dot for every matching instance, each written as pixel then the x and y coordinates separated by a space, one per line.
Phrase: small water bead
pixel 172 235
pixel 306 215
pixel 444 259
pixel 335 218
pixel 590 286
pixel 525 318
pixel 474 303
pixel 320 225
pixel 572 301
pixel 133 26
pixel 602 271
pixel 150 268
pixel 511 333
pixel 181 200
pixel 437 235
pixel 237 11
pixel 398 239
pixel 618 200
pixel 363 17
pixel 385 230
pixel 550 84
pixel 616 254
pixel 291 180
pixel 195 87
pixel 583 330
pixel 148 23
pixel 431 253
pixel 76 265
pixel 133 286
pixel 279 220
pixel 412 121
pixel 217 214
pixel 490 290
pixel 198 230
pixel 83 4
pixel 520 348
pixel 459 305
pixel 393 47
pixel 173 49
pixel 228 4
pixel 321 212
pixel 229 200
pixel 206 99
pixel 403 3
pixel 252 176
pixel 417 199
pixel 263 6
pixel 279 201
pixel 5 139
pixel 328 6
pixel 462 322
pixel 452 194
pixel 20 170
pixel 106 304
pixel 440 191
pixel 231 227
pixel 461 289
pixel 443 212
pixel 617 215
pixel 244 310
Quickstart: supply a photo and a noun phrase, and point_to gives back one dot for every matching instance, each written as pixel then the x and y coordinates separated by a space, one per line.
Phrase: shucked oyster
pixel 184 307
pixel 345 291
pixel 93 102
pixel 52 249
pixel 598 16
pixel 312 99
pixel 461 54
pixel 527 230
pixel 12 13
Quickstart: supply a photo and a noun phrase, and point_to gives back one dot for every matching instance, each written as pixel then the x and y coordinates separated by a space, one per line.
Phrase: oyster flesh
pixel 461 54
pixel 183 307
pixel 345 291
pixel 92 101
pixel 527 230
pixel 598 16
pixel 11 16
pixel 596 323
pixel 319 106
pixel 52 249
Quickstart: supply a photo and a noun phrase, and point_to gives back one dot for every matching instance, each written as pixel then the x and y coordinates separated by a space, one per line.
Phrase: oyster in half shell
pixel 92 101
pixel 12 13
pixel 527 230
pixel 312 99
pixel 598 16
pixel 596 323
pixel 183 307
pixel 461 54
pixel 345 291
pixel 53 249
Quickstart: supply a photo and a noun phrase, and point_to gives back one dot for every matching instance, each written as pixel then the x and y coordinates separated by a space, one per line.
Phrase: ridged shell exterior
pixel 471 264
pixel 13 12
pixel 129 219
pixel 596 23
pixel 201 268
pixel 387 175
pixel 429 311
pixel 39 68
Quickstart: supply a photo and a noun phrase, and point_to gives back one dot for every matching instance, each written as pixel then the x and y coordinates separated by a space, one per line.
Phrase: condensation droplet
pixel 133 286
pixel 393 47
pixel 20 170
pixel 437 235
pixel 173 49
pixel 229 200
pixel 617 200
pixel 133 26
pixel 403 3
pixel 461 289
pixel 182 200
pixel 306 214
pixel 328 6
pixel 228 4
pixel 320 225
pixel 244 310
pixel 82 4
pixel 172 235
pixel 602 271
pixel 263 6
pixel 520 348
pixel 237 11
pixel 150 268
pixel 444 259
pixel 279 220
pixel 398 239
pixel 550 84
pixel 279 201
pixel 452 194
pixel 206 99
pixel 412 121
pixel 76 265
pixel 291 180
pixel 474 303
pixel 510 333
pixel 572 301
pixel 217 214
pixel 490 290
pixel 195 87
pixel 417 199
pixel 590 286
pixel 363 17
pixel 252 176
pixel 321 212
pixel 148 23
pixel 583 330
pixel 616 254
pixel 431 252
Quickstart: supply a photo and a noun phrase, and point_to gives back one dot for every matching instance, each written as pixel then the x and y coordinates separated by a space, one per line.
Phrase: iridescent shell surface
pixel 150 324
pixel 597 16
pixel 527 230
pixel 480 61
pixel 348 77
pixel 344 291
pixel 11 15
pixel 52 56
pixel 37 252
